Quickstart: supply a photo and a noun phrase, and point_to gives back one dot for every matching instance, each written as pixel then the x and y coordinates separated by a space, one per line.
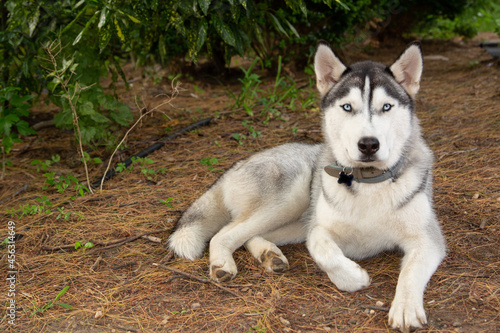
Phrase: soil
pixel 120 289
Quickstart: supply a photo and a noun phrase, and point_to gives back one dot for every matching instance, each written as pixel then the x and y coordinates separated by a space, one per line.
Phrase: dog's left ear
pixel 407 69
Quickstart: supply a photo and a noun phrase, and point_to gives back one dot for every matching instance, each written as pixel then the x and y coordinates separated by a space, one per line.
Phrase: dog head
pixel 368 107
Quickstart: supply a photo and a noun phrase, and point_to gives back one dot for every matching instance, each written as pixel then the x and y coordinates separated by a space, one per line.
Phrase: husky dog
pixel 367 189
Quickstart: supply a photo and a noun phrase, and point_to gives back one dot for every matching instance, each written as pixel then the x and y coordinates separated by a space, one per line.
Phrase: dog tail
pixel 202 220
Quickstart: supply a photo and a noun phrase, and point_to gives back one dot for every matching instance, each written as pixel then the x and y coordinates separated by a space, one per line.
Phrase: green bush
pixel 13 107
pixel 474 16
pixel 63 47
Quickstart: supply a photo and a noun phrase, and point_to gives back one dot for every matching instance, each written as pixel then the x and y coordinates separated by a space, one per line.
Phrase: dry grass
pixel 123 291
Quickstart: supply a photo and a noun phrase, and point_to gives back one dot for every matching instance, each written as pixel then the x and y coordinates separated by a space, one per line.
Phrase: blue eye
pixel 347 107
pixel 386 107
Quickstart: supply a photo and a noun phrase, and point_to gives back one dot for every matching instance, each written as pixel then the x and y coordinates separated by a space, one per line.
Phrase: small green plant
pixel 177 312
pixel 50 304
pixel 249 90
pixel 94 160
pixel 66 215
pixel 209 162
pixel 284 88
pixel 143 162
pixel 61 183
pixel 120 167
pixel 44 165
pixel 87 245
pixel 198 90
pixel 167 202
pixel 43 207
pixel 155 75
pixel 251 130
pixel 240 138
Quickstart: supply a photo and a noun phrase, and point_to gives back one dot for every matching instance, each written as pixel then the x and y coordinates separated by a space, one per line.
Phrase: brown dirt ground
pixel 459 110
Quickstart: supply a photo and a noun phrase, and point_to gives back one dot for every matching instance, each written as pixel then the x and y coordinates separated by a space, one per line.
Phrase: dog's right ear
pixel 328 68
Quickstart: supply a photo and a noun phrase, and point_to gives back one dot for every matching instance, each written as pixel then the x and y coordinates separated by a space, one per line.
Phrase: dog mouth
pixel 367 159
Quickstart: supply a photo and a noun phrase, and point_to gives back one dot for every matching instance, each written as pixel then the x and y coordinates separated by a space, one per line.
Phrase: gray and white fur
pixel 283 195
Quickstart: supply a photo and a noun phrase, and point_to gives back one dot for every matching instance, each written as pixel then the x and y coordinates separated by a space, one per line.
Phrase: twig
pixel 175 277
pixel 119 242
pixel 372 307
pixel 61 247
pixel 128 239
pixel 93 267
pixel 43 124
pixel 152 239
pixel 106 246
pixel 192 277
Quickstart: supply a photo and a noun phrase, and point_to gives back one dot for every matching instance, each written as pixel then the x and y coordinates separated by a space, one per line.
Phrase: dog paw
pixel 406 314
pixel 350 278
pixel 273 262
pixel 222 273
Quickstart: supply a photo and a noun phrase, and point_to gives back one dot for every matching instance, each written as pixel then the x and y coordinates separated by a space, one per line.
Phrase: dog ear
pixel 407 69
pixel 328 68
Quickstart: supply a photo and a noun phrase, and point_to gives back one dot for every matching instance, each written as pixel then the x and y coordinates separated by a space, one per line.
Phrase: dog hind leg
pixel 264 248
pixel 198 224
pixel 268 254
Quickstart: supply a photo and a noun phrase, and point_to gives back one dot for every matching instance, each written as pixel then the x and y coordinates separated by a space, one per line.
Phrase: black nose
pixel 368 145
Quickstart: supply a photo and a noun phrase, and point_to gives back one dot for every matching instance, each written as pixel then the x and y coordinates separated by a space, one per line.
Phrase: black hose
pixel 152 148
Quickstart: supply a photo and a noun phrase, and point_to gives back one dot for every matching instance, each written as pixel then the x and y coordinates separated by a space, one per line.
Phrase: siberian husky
pixel 367 189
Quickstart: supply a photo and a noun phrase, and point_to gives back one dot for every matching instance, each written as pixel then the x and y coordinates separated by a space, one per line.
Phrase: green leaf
pixel 89 22
pixel 244 4
pixel 64 305
pixel 24 128
pixel 104 37
pixel 204 4
pixel 291 27
pixel 133 18
pixel 33 20
pixel 62 292
pixel 342 5
pixel 99 118
pixel 202 34
pixel 89 245
pixel 224 31
pixel 297 5
pixel 119 30
pixel 175 19
pixel 277 24
pixel 86 109
pixel 88 134
pixel 122 115
pixel 78 245
pixel 102 18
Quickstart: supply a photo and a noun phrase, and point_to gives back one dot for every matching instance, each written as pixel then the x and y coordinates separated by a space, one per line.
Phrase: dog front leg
pixel 343 272
pixel 419 263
